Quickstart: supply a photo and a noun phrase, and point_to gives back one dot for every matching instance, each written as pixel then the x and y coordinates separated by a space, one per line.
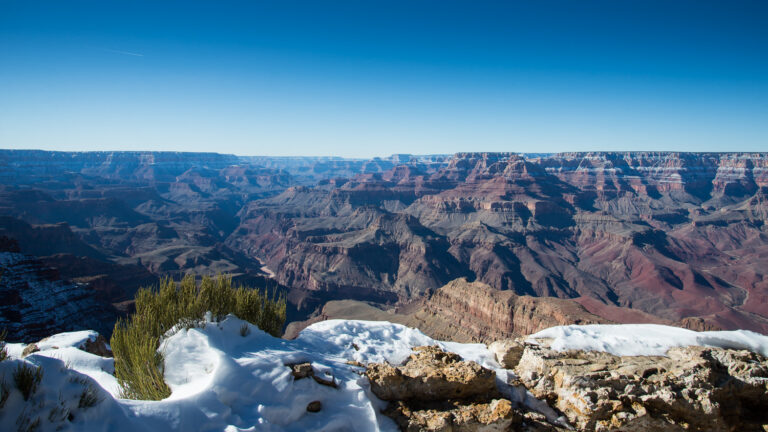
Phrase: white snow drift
pixel 646 339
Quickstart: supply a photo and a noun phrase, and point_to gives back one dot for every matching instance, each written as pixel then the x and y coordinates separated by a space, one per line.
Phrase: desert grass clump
pixel 4 392
pixel 245 330
pixel 25 423
pixel 89 397
pixel 3 351
pixel 27 378
pixel 138 365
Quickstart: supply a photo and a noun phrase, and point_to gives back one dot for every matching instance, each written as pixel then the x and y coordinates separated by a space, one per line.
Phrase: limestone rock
pixel 431 374
pixel 496 415
pixel 507 352
pixel 438 391
pixel 305 370
pixel 314 406
pixel 301 370
pixel 29 349
pixel 693 388
pixel 97 346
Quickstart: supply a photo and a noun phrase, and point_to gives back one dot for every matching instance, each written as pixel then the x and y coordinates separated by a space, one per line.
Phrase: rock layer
pixel 464 311
pixel 36 302
pixel 480 313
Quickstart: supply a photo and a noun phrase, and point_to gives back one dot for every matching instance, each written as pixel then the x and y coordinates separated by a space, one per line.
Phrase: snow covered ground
pixel 646 339
pixel 222 381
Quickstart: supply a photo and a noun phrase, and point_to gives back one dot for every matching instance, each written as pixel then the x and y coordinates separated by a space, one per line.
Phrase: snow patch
pixel 646 339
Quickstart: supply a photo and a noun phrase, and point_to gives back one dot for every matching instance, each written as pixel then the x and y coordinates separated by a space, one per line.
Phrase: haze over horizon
pixel 369 79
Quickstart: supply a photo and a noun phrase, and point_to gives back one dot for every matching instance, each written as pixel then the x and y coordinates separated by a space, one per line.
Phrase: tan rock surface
pixel 694 389
pixel 431 374
pixel 507 352
pixel 438 391
pixel 496 415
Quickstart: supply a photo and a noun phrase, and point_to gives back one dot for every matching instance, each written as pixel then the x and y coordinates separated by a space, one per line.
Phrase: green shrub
pixel 27 378
pixel 138 365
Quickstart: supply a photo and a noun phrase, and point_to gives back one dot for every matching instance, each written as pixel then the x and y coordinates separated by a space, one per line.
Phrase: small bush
pixel 138 365
pixel 245 330
pixel 60 412
pixel 89 397
pixel 27 378
pixel 3 351
pixel 25 424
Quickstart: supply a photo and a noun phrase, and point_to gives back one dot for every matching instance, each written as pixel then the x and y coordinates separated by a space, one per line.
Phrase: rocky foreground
pixel 357 375
pixel 693 388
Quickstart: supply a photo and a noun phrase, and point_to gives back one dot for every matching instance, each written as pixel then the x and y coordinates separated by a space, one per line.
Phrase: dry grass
pixel 27 378
pixel 3 352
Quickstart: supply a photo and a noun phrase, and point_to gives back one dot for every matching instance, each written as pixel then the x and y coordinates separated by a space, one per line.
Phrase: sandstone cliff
pixel 464 311
pixel 476 312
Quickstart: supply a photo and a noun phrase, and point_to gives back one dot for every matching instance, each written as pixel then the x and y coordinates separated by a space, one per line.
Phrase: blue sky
pixel 366 78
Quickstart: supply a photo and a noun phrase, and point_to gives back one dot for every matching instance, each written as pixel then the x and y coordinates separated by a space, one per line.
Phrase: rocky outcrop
pixel 24 165
pixel 507 352
pixel 35 302
pixel 464 311
pixel 431 374
pixel 692 388
pixel 496 415
pixel 322 169
pixel 438 391
pixel 473 311
pixel 97 346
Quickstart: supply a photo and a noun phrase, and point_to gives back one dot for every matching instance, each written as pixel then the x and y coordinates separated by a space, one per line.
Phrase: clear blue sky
pixel 362 78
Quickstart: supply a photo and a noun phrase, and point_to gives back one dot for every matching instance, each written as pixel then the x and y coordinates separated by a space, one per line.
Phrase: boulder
pixel 305 370
pixel 97 346
pixel 29 349
pixel 301 370
pixel 507 352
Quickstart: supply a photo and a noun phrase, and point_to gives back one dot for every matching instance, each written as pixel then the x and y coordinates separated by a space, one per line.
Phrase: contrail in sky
pixel 125 52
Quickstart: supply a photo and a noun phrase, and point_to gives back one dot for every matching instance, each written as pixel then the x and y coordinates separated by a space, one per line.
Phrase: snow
pixel 646 339
pixel 66 347
pixel 222 381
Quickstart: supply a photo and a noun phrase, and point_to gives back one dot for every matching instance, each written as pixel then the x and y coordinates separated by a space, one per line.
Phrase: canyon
pixel 509 242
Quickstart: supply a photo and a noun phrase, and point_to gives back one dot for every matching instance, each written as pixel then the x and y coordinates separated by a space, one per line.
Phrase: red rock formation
pixel 481 313
pixel 668 235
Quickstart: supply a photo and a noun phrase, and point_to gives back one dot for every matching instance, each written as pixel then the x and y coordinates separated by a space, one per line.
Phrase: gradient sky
pixel 364 78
